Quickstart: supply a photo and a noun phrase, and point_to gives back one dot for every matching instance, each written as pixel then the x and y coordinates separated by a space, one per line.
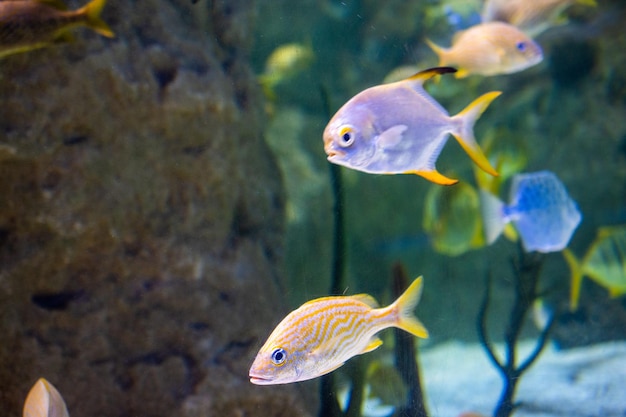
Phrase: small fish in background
pixel 452 219
pixel 544 214
pixel 283 64
pixel 383 391
pixel 604 263
pixel 489 49
pixel 321 335
pixel 531 17
pixel 26 25
pixel 398 128
pixel 44 400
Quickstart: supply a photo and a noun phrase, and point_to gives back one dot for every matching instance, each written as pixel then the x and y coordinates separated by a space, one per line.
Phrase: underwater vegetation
pixel 526 271
pixel 604 262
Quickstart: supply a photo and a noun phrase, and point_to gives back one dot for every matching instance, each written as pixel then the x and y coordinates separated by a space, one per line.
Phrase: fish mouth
pixel 334 153
pixel 258 380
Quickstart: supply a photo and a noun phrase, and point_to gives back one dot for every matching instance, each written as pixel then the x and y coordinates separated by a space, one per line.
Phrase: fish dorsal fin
pixel 56 4
pixel 427 74
pixel 366 299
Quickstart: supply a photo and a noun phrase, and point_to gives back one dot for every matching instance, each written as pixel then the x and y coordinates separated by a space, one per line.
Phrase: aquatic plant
pixel 405 354
pixel 329 406
pixel 526 272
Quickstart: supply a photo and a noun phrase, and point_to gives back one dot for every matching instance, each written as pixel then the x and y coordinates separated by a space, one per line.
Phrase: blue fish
pixel 542 211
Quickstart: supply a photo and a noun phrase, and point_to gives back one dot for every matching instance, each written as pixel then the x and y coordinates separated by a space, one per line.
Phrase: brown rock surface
pixel 141 218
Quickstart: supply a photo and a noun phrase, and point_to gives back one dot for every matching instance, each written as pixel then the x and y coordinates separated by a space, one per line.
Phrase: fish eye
pixel 521 46
pixel 279 356
pixel 346 136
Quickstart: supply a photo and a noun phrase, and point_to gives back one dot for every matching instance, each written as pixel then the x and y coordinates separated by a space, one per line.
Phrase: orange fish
pixel 530 16
pixel 321 335
pixel 489 49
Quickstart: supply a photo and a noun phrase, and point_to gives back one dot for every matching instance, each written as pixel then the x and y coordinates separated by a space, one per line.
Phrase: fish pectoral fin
pixel 391 137
pixel 373 344
pixel 434 176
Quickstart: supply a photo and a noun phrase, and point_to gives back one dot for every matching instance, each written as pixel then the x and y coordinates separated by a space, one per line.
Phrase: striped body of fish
pixel 321 335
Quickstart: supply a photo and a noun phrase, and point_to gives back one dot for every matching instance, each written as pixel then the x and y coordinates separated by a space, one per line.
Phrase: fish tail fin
pixel 92 13
pixel 576 280
pixel 441 52
pixel 491 212
pixel 591 3
pixel 404 306
pixel 465 134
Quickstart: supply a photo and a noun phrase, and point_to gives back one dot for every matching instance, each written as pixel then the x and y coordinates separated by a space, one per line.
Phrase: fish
pixel 487 49
pixel 383 390
pixel 398 128
pixel 283 64
pixel 322 334
pixel 531 17
pixel 544 214
pixel 44 400
pixel 26 25
pixel 452 219
pixel 604 262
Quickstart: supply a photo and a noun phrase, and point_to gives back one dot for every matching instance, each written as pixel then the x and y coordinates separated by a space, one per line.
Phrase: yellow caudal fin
pixel 591 3
pixel 92 14
pixel 405 305
pixel 576 280
pixel 465 132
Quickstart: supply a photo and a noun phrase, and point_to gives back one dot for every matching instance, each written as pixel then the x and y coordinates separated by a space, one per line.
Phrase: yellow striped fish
pixel 322 334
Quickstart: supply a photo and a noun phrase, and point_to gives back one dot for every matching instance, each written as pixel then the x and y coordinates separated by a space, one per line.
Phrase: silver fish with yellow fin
pixel 321 335
pixel 489 49
pixel 604 263
pixel 398 128
pixel 31 24
pixel 44 400
pixel 530 16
